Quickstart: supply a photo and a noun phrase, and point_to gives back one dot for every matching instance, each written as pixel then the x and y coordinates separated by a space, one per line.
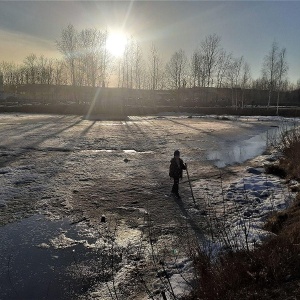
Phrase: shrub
pixel 289 145
pixel 248 275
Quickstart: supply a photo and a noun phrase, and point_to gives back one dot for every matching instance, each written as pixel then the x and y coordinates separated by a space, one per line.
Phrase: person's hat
pixel 176 153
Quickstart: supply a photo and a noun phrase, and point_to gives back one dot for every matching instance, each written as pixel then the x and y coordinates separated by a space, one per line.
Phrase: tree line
pixel 87 62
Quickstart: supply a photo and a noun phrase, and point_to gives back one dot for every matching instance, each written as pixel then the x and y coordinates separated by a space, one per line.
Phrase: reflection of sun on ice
pixel 116 43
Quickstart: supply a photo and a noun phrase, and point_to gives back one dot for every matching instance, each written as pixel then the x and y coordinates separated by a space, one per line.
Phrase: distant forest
pixel 210 77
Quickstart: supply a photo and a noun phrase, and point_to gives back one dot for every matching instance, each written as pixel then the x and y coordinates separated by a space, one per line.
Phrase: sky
pixel 246 28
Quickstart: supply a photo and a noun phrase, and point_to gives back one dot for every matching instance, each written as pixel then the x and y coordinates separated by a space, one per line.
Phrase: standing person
pixel 175 172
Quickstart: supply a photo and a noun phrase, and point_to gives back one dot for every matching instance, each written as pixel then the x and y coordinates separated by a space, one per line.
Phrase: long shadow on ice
pixel 20 150
pixel 189 220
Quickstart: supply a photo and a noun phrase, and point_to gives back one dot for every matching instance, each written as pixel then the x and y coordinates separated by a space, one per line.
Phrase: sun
pixel 116 43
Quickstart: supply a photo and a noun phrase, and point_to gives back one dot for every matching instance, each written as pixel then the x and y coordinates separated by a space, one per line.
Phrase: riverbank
pixel 123 112
pixel 270 268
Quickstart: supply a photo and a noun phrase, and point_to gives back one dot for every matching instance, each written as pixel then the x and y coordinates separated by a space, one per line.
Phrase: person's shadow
pixel 189 220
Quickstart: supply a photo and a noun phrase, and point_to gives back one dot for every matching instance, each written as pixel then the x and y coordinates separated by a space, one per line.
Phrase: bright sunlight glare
pixel 116 43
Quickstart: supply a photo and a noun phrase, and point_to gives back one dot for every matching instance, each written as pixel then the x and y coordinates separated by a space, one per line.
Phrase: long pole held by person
pixel 188 177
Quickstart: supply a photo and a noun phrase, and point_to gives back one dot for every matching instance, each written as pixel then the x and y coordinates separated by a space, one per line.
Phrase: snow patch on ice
pixel 246 204
pixel 62 242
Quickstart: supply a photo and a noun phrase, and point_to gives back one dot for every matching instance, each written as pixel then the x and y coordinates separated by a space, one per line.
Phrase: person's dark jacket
pixel 175 169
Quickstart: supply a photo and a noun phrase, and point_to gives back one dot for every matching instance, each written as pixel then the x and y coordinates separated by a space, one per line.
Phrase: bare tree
pixel 59 73
pixel 154 67
pixel 269 71
pixel 210 50
pixel 176 69
pixel 126 66
pixel 50 71
pixel 223 65
pixel 194 68
pixel 119 68
pixel 282 69
pixel 234 75
pixel 198 71
pixel 260 84
pixel 42 69
pixel 93 56
pixel 30 63
pixel 274 70
pixel 138 65
pixel 68 45
pixel 8 70
pixel 245 80
pixel 131 67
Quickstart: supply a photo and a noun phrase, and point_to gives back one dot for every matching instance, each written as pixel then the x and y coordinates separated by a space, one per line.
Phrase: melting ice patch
pixel 239 152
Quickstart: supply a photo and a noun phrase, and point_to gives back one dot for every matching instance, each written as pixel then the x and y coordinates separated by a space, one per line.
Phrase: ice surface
pixel 46 160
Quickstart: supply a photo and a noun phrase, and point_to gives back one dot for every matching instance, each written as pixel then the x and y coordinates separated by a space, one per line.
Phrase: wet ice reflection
pixel 31 268
pixel 231 153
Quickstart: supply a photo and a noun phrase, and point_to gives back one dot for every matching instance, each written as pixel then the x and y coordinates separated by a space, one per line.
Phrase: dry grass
pixel 290 147
pixel 287 223
pixel 290 161
pixel 268 272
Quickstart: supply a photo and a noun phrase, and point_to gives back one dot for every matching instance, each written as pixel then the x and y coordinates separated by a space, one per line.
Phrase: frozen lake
pixel 60 171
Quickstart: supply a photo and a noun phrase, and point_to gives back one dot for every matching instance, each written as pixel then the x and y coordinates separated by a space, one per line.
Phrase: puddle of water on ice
pixel 243 150
pixel 32 272
pixel 134 152
pixel 127 151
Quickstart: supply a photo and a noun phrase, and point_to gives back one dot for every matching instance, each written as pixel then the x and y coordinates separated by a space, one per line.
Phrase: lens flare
pixel 116 43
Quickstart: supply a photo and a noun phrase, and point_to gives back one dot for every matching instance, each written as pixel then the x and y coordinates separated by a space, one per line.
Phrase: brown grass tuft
pixel 259 274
